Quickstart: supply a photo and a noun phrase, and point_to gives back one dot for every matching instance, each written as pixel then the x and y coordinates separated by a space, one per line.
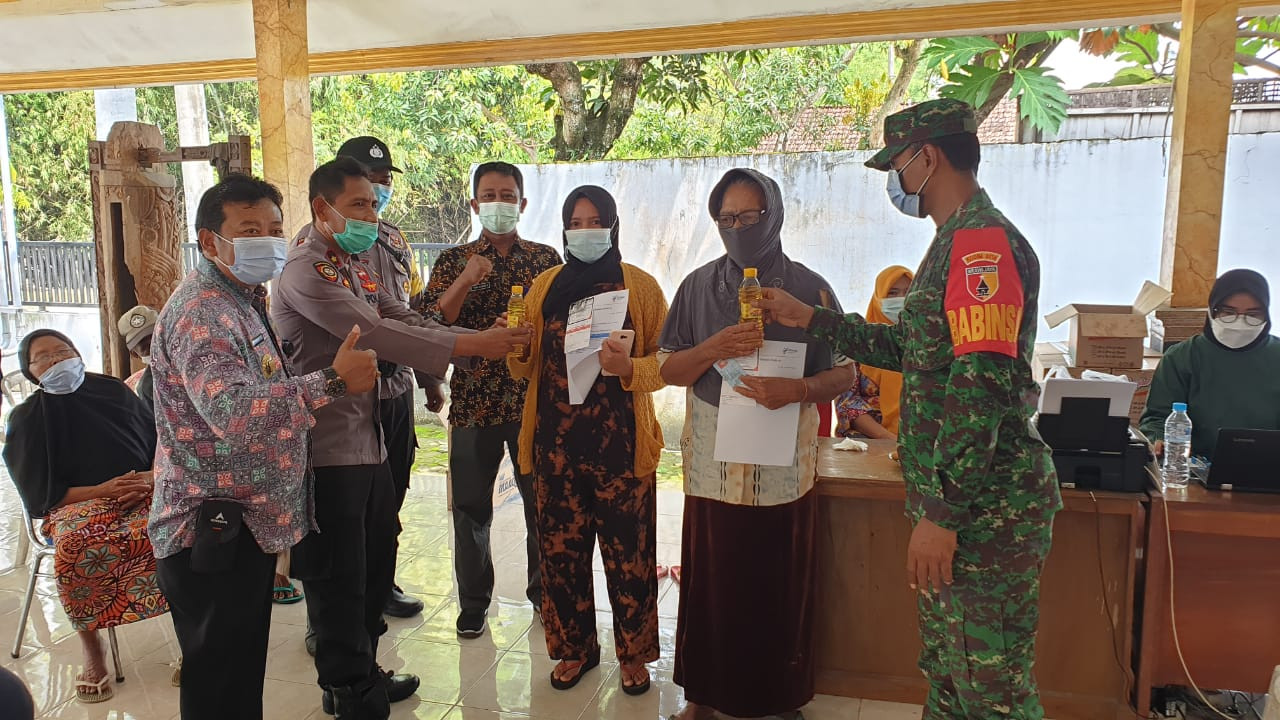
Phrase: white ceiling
pixel 38 35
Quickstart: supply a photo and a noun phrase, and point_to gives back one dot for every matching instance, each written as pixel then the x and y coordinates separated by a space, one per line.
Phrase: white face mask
pixel 1235 335
pixel 499 218
pixel 589 244
pixel 892 307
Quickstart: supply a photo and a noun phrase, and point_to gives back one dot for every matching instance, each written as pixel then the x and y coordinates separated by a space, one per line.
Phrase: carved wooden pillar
pixel 136 229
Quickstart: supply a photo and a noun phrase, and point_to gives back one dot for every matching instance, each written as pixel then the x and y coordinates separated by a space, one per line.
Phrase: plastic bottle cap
pixel 517 289
pixel 1180 407
pixel 749 272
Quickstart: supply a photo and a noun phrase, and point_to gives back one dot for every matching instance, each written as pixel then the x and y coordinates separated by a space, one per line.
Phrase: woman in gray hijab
pixel 748 551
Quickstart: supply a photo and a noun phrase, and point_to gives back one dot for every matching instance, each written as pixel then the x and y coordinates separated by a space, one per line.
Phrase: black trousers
pixel 474 456
pixel 401 441
pixel 346 570
pixel 222 621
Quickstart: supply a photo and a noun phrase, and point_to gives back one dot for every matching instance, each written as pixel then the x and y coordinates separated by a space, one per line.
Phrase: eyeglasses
pixel 55 356
pixel 746 217
pixel 1230 316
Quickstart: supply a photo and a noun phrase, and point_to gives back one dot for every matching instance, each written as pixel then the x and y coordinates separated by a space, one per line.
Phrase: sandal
pixel 592 661
pixel 675 573
pixel 286 594
pixel 91 693
pixel 176 679
pixel 637 689
pixel 663 571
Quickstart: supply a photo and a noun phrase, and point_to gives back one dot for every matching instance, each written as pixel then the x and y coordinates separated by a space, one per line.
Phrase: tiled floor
pixel 501 675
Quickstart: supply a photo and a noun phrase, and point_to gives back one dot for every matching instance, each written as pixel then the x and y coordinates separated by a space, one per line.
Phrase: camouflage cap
pixel 918 123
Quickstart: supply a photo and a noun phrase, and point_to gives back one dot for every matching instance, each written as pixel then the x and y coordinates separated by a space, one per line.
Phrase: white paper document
pixel 747 432
pixel 1119 395
pixel 589 324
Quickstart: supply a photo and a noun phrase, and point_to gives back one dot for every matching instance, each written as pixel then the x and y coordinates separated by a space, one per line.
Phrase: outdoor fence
pixel 64 274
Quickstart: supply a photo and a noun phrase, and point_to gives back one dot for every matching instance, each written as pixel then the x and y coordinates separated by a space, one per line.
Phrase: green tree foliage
pixel 439 124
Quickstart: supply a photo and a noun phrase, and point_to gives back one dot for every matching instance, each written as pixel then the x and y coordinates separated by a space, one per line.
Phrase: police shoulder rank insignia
pixel 269 366
pixel 984 301
pixel 406 286
pixel 327 271
pixel 397 241
pixel 366 282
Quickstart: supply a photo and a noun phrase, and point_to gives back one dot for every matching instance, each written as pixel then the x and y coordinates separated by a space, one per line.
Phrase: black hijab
pixel 24 350
pixel 1239 281
pixel 81 439
pixel 579 279
pixel 707 301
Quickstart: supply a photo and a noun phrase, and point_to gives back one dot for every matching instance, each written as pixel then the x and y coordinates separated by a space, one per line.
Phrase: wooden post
pixel 284 102
pixel 1198 162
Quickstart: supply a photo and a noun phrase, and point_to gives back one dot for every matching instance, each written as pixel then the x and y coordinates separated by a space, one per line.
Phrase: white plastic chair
pixel 44 549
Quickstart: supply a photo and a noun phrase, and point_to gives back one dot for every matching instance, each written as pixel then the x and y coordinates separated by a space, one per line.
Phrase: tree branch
pixel 1028 56
pixel 893 101
pixel 566 80
pixel 816 96
pixel 622 97
pixel 1252 61
pixel 1259 35
pixel 530 147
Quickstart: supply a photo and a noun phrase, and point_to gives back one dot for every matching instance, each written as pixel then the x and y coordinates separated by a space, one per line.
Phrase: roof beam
pixel 959 19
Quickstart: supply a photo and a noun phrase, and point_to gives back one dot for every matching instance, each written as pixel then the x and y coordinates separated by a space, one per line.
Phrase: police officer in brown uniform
pixel 347 568
pixel 391 260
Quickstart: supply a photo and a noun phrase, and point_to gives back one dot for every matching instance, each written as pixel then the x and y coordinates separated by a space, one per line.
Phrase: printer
pixel 1086 424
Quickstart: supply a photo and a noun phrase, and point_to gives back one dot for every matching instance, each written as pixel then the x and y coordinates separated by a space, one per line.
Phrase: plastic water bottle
pixel 1177 447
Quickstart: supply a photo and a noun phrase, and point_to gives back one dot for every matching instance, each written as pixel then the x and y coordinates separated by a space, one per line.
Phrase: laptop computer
pixel 1245 461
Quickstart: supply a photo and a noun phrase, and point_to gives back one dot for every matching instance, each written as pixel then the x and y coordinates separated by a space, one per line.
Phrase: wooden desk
pixel 1226 562
pixel 867 634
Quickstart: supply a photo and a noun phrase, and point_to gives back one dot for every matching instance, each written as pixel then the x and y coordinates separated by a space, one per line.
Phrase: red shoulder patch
pixel 984 300
pixel 327 271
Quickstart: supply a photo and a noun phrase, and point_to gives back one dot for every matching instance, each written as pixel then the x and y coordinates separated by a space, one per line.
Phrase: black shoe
pixel 349 703
pixel 397 688
pixel 310 641
pixel 471 623
pixel 400 605
pixel 400 687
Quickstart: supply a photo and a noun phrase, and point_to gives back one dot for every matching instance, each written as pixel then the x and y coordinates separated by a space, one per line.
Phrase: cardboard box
pixel 1109 336
pixel 1170 327
pixel 1046 357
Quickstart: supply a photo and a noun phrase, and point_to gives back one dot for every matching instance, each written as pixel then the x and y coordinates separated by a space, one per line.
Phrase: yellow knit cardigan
pixel 648 309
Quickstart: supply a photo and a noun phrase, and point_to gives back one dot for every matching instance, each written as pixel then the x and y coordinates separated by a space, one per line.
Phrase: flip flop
pixel 91 693
pixel 294 594
pixel 663 571
pixel 675 573
pixel 585 667
pixel 638 689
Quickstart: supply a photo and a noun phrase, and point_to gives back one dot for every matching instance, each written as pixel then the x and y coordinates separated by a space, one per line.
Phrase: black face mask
pixel 746 247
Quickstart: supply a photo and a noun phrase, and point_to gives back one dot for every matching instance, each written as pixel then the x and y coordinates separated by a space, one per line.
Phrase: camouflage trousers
pixel 979 634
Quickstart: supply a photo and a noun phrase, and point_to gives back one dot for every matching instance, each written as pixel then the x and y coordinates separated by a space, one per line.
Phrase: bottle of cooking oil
pixel 515 313
pixel 749 292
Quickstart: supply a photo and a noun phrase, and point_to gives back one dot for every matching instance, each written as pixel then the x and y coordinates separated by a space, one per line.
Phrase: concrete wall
pixel 1094 210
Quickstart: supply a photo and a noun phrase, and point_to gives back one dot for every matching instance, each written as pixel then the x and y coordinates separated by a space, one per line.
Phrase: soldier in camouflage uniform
pixel 981 489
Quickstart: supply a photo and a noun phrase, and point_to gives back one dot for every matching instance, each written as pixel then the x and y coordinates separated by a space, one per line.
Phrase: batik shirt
pixel 232 422
pixel 486 395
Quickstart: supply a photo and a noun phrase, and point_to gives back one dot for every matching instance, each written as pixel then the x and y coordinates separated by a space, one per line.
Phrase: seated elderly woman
pixel 80 450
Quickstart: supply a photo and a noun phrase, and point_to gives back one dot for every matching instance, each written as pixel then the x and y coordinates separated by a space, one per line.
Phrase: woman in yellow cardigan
pixel 594 461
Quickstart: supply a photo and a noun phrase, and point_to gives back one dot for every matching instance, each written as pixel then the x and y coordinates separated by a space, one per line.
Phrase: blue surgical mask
pixel 588 245
pixel 358 236
pixel 892 308
pixel 63 378
pixel 907 203
pixel 258 259
pixel 383 194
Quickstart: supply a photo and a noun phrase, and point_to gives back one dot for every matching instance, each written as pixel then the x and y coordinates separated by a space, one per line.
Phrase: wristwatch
pixel 334 385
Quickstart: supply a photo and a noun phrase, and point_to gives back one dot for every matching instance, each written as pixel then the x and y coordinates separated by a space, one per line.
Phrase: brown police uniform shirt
pixel 320 295
pixel 393 266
